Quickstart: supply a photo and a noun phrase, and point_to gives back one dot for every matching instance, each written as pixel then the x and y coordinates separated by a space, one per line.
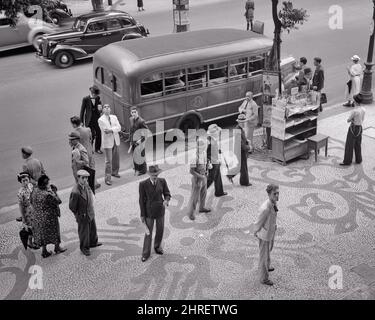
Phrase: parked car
pixel 55 11
pixel 89 33
pixel 28 31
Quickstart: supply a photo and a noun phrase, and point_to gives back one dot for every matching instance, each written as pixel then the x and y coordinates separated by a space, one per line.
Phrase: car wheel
pixel 37 40
pixel 64 59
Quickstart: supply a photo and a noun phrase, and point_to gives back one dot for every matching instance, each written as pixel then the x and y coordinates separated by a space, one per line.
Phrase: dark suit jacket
pixel 78 202
pixel 89 111
pixel 135 125
pixel 318 78
pixel 151 198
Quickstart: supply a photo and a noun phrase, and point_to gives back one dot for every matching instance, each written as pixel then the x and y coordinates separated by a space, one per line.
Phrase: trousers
pixel 353 143
pixel 112 161
pixel 198 194
pixel 96 133
pixel 265 248
pixel 146 252
pixel 214 175
pixel 87 233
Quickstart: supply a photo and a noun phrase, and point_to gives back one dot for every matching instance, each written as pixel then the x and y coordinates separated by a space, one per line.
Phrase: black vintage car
pixel 89 33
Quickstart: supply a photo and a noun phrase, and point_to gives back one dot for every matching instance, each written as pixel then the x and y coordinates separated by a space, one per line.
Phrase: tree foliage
pixel 290 17
pixel 12 7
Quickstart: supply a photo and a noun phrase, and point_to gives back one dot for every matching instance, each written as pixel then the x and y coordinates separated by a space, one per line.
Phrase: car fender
pixel 38 29
pixel 132 35
pixel 76 52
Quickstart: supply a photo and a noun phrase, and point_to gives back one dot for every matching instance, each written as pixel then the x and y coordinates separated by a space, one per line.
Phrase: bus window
pixel 152 86
pixel 237 68
pixel 116 85
pixel 99 74
pixel 197 77
pixel 256 65
pixel 174 81
pixel 218 73
pixel 107 79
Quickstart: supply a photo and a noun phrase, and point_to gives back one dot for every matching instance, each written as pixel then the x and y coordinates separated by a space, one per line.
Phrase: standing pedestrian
pixel 91 109
pixel 302 66
pixel 110 128
pixel 81 203
pixel 140 5
pixel 46 213
pixel 198 170
pixel 213 152
pixel 86 141
pixel 154 196
pixel 354 136
pixel 241 145
pixel 249 13
pixel 318 79
pixel 137 140
pixel 23 195
pixel 264 230
pixel 250 108
pixel 353 86
pixel 304 83
pixel 32 166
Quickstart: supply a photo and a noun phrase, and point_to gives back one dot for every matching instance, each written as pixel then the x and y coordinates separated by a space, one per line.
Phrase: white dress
pixel 355 74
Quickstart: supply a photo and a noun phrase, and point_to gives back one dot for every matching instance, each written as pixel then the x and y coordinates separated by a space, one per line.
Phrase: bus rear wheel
pixel 191 122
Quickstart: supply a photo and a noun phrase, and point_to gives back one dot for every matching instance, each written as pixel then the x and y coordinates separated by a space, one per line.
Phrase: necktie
pixel 275 208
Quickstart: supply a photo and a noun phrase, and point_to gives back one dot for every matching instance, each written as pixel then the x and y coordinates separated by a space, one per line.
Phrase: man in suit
pixel 241 146
pixel 213 151
pixel 137 141
pixel 154 195
pixel 318 79
pixel 86 141
pixel 110 128
pixel 81 203
pixel 264 230
pixel 91 109
pixel 32 165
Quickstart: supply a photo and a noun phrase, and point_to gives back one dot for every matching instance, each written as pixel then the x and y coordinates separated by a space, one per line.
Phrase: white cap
pixel 355 57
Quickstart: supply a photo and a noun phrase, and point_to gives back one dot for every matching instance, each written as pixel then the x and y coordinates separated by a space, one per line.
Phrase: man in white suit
pixel 110 128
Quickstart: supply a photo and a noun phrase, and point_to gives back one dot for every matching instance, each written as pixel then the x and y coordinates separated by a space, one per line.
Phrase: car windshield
pixel 79 25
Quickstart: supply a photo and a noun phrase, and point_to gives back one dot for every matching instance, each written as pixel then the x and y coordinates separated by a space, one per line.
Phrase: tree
pixel 286 19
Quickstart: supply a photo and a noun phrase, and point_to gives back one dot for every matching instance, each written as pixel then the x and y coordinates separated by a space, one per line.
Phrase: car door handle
pixel 107 34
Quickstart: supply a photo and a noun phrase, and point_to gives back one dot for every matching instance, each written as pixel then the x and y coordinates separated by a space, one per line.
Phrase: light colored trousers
pixel 265 248
pixel 112 161
pixel 249 130
pixel 198 193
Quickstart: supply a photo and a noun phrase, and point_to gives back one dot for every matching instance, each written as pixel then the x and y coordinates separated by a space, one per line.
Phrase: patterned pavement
pixel 326 218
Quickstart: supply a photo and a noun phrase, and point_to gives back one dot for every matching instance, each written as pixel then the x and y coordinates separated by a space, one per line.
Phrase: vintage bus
pixel 184 79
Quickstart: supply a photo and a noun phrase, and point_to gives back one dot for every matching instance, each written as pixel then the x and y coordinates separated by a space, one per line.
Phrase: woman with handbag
pixel 46 228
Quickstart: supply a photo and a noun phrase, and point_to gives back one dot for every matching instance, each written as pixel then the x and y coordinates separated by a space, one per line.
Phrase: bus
pixel 183 79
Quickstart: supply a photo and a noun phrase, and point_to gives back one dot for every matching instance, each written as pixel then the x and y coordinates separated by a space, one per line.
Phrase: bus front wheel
pixel 191 122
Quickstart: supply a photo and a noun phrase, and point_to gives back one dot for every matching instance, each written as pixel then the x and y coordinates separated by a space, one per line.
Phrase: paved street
pixel 326 218
pixel 38 99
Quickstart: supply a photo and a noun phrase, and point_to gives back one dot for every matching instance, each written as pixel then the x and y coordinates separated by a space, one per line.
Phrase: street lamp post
pixel 366 91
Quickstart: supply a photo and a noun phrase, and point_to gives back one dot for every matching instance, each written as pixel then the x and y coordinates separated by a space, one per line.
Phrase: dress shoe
pixel 205 210
pixel 267 282
pixel 348 104
pixel 99 151
pixel 97 186
pixel 60 250
pixel 96 245
pixel 192 217
pixel 86 252
pixel 116 175
pixel 144 259
pixel 344 164
pixel 271 269
pixel 19 219
pixel 46 254
pixel 359 162
pixel 221 195
pixel 246 185
pixel 159 251
pixel 109 183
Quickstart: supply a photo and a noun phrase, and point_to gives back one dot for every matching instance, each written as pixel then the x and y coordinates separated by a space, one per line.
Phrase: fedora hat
pixel 355 58
pixel 27 150
pixel 241 118
pixel 213 129
pixel 154 170
pixel 74 135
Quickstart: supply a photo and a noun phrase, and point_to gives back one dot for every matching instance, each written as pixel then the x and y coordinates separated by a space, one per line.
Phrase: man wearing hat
pixel 213 151
pixel 80 159
pixel 91 110
pixel 354 136
pixel 81 203
pixel 241 146
pixel 198 170
pixel 353 86
pixel 32 166
pixel 154 195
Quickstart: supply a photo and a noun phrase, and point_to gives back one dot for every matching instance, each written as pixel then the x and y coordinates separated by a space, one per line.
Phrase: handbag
pixel 323 98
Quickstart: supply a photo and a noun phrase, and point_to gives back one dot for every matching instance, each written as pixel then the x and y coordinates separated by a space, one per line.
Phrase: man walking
pixel 198 170
pixel 264 230
pixel 137 140
pixel 32 166
pixel 249 14
pixel 86 141
pixel 110 128
pixel 318 79
pixel 213 151
pixel 81 203
pixel 154 196
pixel 91 109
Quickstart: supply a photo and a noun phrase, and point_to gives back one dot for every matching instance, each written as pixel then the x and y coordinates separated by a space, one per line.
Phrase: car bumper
pixel 40 57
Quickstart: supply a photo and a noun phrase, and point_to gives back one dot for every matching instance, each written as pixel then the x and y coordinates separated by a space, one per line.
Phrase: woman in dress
pixel 46 211
pixel 23 195
pixel 140 5
pixel 353 86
